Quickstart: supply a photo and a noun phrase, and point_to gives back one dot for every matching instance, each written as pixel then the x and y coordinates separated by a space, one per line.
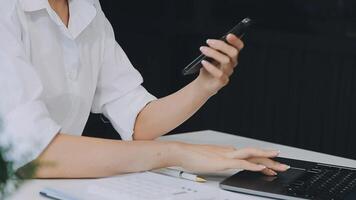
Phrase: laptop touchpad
pixel 290 175
pixel 260 182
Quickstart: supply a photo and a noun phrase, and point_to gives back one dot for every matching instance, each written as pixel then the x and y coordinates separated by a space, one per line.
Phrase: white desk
pixel 31 188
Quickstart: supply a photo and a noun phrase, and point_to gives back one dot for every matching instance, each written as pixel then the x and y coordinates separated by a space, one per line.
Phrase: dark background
pixel 296 82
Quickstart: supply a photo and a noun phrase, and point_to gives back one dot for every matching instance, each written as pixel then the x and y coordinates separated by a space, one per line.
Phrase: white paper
pixel 150 186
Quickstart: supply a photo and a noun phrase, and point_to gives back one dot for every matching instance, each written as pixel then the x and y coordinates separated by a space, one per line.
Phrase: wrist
pixel 205 86
pixel 176 154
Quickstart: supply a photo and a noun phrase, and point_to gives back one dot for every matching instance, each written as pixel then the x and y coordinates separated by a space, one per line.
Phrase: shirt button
pixel 73 74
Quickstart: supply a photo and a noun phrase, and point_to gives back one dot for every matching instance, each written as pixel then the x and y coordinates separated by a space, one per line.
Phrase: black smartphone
pixel 239 30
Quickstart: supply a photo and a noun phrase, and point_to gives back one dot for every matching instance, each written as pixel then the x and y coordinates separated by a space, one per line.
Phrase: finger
pixel 228 70
pixel 269 172
pixel 245 165
pixel 271 164
pixel 223 47
pixel 235 41
pixel 252 152
pixel 231 148
pixel 215 72
pixel 221 148
pixel 216 55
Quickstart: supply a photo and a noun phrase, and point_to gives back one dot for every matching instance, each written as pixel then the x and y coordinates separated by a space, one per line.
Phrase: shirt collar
pixel 33 5
pixel 82 13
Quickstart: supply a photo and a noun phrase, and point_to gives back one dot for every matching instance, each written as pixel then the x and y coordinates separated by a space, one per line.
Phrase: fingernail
pixel 202 49
pixel 262 167
pixel 274 153
pixel 273 173
pixel 208 41
pixel 285 166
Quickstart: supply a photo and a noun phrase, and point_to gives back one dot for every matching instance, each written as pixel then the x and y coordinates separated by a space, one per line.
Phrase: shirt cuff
pixel 123 112
pixel 28 130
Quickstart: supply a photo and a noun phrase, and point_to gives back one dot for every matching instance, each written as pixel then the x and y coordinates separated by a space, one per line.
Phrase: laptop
pixel 305 180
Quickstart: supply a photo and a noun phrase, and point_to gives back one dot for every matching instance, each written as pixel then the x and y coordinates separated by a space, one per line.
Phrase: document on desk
pixel 150 186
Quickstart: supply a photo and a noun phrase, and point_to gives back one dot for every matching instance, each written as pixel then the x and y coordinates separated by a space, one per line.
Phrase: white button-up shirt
pixel 52 76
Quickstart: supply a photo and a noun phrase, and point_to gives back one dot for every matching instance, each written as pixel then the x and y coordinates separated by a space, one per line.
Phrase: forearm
pixel 83 157
pixel 163 115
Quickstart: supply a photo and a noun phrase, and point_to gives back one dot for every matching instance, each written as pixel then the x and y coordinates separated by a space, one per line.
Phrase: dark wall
pixel 296 82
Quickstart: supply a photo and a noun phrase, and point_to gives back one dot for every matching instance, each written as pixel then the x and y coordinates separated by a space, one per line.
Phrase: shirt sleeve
pixel 119 94
pixel 27 127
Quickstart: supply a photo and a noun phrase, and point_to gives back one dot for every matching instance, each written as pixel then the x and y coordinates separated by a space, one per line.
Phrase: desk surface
pixel 31 188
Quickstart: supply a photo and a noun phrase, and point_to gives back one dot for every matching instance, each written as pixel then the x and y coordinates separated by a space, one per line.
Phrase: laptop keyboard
pixel 323 183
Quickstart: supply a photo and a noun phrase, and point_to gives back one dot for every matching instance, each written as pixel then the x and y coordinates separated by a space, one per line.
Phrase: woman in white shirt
pixel 59 61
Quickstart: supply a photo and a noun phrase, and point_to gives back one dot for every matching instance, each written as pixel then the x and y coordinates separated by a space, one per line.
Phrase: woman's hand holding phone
pixel 215 75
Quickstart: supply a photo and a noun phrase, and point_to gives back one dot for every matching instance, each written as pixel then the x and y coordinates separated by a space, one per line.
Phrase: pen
pixel 56 194
pixel 179 174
